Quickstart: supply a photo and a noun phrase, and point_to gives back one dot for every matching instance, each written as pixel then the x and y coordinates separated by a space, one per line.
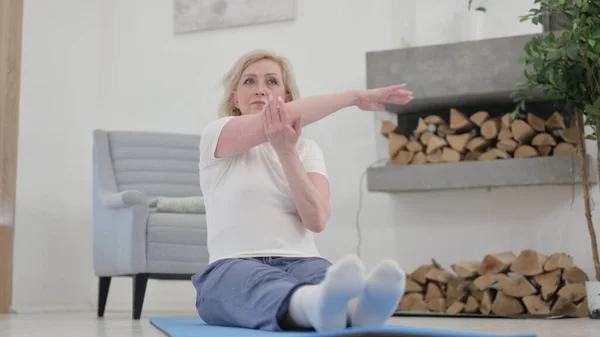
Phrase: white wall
pixel 117 65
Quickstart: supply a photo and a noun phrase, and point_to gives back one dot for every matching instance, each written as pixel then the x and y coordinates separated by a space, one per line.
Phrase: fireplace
pixel 458 133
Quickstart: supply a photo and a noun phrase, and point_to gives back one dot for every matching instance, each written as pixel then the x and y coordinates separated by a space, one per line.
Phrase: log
pixel 437 305
pixel 535 305
pixel 455 308
pixel 574 292
pixel 478 294
pixel 565 149
pixel 494 154
pixel 456 290
pixel 543 138
pixel 486 303
pixel 466 269
pixel 437 265
pixel 505 133
pixel 518 287
pixel 491 128
pixel 583 309
pixel 544 150
pixel 450 155
pixel 425 137
pixel 412 302
pixel 472 305
pixel 419 158
pixel 563 306
pixel 555 122
pixel 521 131
pixel 496 263
pixel 434 119
pixel 559 261
pixel 536 122
pixel 414 146
pixel 529 263
pixel 421 127
pixel 396 143
pixel 434 291
pixel 458 121
pixel 508 145
pixel 435 157
pixel 526 151
pixel 484 281
pixel 479 117
pixel 435 143
pixel 472 155
pixel 574 275
pixel 477 144
pixel 458 142
pixel 444 130
pixel 413 287
pixel 506 305
pixel 549 283
pixel 418 275
pixel 436 274
pixel 404 157
pixel 387 127
pixel 569 135
pixel 507 121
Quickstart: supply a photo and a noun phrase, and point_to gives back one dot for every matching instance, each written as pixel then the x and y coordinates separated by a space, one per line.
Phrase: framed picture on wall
pixel 201 15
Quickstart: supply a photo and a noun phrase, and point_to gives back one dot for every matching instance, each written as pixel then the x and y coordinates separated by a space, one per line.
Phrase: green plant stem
pixel 581 150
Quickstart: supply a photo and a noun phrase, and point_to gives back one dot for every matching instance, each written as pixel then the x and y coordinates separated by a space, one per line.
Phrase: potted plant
pixel 565 66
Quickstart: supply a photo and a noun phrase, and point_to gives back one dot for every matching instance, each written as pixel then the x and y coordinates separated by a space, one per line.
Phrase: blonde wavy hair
pixel 232 78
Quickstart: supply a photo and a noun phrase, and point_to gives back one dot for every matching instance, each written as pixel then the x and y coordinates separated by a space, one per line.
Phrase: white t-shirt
pixel 249 207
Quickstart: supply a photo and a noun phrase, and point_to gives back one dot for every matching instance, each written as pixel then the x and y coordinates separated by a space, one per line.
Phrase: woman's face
pixel 258 81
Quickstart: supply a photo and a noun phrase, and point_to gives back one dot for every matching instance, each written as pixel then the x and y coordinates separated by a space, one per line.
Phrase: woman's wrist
pixel 354 97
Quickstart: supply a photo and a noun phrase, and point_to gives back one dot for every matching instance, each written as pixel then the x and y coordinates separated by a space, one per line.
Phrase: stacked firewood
pixel 479 137
pixel 501 284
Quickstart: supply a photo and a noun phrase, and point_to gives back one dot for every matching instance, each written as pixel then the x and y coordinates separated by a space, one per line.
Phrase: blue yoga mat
pixel 193 327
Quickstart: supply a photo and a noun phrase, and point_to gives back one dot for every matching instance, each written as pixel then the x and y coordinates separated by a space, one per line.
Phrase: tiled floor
pixel 120 325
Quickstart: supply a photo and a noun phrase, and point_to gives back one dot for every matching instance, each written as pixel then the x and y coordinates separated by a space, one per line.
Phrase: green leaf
pixel 597 103
pixel 481 9
pixel 592 43
pixel 590 137
pixel 562 2
pixel 572 51
pixel 524 18
pixel 522 59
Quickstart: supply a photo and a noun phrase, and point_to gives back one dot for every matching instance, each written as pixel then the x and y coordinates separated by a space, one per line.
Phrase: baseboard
pixel 37 309
pixel 118 308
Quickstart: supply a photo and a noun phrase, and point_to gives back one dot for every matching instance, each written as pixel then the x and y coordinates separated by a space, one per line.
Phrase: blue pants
pixel 253 292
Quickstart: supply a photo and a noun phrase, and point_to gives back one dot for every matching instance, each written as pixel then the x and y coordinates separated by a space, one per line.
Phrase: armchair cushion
pixel 176 242
pixel 177 205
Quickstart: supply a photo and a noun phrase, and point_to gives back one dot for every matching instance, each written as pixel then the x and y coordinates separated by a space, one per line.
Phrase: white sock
pixel 324 306
pixel 384 289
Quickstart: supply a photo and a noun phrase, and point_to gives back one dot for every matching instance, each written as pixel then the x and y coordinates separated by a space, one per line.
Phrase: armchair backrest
pixel 154 163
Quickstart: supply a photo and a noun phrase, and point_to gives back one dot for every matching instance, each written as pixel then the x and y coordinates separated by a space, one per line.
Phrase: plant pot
pixel 593 298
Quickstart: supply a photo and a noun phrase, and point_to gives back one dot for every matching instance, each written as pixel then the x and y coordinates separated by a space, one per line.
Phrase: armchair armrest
pixel 124 199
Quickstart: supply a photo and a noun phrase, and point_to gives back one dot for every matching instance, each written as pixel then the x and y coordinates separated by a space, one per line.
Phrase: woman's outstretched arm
pixel 247 131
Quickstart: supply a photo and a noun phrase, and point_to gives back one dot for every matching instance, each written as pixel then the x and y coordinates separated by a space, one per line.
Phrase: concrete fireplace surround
pixel 475 74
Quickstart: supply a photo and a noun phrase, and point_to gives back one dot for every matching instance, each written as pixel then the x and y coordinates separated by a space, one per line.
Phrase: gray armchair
pixel 131 169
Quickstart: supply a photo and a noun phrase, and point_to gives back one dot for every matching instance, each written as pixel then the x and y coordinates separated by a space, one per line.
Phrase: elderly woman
pixel 266 193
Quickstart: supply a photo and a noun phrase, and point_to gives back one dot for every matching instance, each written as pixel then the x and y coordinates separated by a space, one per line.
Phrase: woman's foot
pixel 324 306
pixel 384 289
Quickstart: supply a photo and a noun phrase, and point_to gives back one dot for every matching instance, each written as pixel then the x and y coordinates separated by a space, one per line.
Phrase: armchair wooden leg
pixel 139 291
pixel 103 286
